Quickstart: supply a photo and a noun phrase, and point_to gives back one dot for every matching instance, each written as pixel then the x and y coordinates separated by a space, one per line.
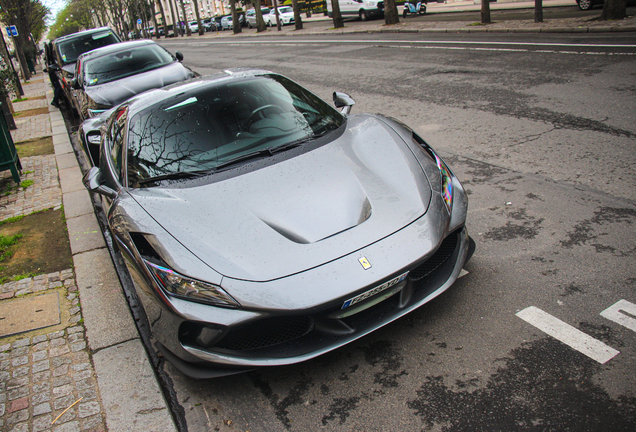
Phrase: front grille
pixel 444 252
pixel 266 333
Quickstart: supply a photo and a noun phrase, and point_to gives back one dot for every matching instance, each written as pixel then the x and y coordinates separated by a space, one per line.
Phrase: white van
pixel 363 9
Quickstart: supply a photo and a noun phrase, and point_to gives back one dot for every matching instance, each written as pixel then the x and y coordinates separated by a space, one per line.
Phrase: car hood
pixel 116 92
pixel 302 212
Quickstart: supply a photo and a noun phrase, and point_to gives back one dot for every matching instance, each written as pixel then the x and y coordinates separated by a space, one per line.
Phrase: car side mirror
pixel 54 67
pixel 179 56
pixel 94 182
pixel 344 101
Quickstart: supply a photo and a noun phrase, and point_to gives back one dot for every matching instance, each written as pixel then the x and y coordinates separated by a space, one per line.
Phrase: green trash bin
pixel 9 159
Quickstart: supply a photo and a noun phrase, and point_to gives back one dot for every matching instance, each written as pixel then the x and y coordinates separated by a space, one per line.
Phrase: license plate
pixel 374 291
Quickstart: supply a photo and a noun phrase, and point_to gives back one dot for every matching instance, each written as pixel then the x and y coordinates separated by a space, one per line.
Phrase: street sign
pixel 139 21
pixel 14 30
pixel 9 31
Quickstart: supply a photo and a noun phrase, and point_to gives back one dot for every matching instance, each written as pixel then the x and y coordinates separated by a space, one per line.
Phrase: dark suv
pixel 67 48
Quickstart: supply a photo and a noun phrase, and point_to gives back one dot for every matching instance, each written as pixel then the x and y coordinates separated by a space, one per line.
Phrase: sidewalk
pixel 323 25
pixel 87 370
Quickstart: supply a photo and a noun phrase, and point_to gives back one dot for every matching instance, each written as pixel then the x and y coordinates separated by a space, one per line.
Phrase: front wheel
pixel 422 10
pixel 363 15
pixel 404 13
pixel 585 4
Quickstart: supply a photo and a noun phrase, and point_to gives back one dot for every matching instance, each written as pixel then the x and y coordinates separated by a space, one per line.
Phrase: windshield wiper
pixel 176 176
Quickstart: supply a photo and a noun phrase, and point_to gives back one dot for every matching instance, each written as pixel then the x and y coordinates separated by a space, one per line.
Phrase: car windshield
pixel 126 62
pixel 70 50
pixel 285 9
pixel 210 128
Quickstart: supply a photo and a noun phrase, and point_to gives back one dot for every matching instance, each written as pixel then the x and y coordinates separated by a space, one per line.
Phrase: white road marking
pixel 462 273
pixel 623 313
pixel 434 45
pixel 567 334
pixel 408 42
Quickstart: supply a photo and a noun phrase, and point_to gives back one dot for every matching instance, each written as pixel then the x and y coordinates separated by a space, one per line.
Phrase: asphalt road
pixel 541 130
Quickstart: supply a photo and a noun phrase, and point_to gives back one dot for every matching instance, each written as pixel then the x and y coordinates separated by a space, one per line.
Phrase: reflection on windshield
pixel 72 49
pixel 208 128
pixel 124 63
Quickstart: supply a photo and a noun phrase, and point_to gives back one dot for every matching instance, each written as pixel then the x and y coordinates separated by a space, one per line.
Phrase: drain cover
pixel 25 314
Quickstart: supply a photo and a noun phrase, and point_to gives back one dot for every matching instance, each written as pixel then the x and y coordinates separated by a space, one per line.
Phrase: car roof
pixel 151 97
pixel 83 33
pixel 121 46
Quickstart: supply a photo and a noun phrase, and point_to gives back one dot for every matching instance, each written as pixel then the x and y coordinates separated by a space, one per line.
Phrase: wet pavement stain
pixel 295 396
pixel 341 408
pixel 545 385
pixel 384 354
pixel 584 231
pixel 571 289
pixel 481 172
pixel 601 332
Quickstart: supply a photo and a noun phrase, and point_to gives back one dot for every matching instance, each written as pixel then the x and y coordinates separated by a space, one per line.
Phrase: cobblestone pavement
pixel 47 378
pixel 30 127
pixel 44 193
pixel 44 374
pixel 30 104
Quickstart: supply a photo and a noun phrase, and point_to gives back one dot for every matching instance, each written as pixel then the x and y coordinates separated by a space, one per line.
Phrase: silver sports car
pixel 263 227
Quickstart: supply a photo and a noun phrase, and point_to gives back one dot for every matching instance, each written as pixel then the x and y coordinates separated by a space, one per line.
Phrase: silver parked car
pixel 263 227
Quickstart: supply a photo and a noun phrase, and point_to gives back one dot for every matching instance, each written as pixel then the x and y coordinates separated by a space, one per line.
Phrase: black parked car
pixel 67 49
pixel 108 76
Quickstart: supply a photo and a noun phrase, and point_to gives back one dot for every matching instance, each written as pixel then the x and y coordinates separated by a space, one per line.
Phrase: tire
pixel 269 23
pixel 585 4
pixel 363 15
pixel 249 24
pixel 404 13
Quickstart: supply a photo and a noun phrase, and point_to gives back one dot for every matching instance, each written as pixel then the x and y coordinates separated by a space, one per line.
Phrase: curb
pixel 131 395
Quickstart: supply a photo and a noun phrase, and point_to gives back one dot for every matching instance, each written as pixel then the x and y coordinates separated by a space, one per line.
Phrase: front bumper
pixel 254 339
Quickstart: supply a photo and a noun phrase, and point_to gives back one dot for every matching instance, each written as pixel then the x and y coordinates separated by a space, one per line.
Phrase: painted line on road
pixel 407 42
pixel 623 313
pixel 567 334
pixel 418 45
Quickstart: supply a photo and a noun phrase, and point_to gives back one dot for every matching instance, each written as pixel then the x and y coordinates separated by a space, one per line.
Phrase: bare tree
pixel 196 12
pixel 164 23
pixel 236 25
pixel 538 11
pixel 337 17
pixel 185 19
pixel 614 10
pixel 298 21
pixel 260 22
pixel 391 14
pixel 485 12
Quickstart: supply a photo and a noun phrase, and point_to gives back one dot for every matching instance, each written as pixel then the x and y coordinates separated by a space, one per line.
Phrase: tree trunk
pixel 174 22
pixel 485 12
pixel 21 58
pixel 297 19
pixel 277 17
pixel 260 22
pixel 391 14
pixel 185 19
pixel 236 24
pixel 538 11
pixel 337 17
pixel 614 10
pixel 164 23
pixel 196 12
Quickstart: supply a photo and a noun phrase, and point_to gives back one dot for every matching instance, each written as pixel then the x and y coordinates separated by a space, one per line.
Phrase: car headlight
pixel 447 183
pixel 190 289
